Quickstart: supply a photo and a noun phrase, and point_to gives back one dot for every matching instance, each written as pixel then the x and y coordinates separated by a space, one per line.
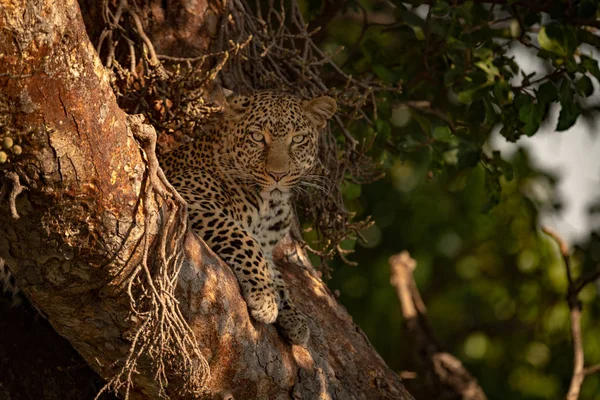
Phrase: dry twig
pixel 447 370
pixel 575 286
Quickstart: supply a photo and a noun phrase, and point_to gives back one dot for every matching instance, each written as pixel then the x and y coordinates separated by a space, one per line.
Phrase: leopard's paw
pixel 292 325
pixel 264 305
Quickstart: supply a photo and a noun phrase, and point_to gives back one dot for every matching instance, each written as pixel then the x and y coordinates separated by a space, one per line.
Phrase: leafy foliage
pixel 460 79
pixel 494 284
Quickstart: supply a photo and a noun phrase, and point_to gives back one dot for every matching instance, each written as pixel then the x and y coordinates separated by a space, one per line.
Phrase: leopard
pixel 238 179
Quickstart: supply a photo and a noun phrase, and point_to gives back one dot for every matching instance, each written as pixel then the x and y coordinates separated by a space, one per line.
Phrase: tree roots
pixel 14 189
pixel 162 335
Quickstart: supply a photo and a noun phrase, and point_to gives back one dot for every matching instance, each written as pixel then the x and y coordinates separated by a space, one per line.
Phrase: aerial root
pixel 15 188
pixel 162 335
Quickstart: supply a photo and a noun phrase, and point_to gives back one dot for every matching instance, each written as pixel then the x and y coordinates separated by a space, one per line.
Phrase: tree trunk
pixel 86 224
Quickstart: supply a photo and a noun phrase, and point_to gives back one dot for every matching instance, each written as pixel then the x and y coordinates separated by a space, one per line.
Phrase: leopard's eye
pixel 257 137
pixel 298 139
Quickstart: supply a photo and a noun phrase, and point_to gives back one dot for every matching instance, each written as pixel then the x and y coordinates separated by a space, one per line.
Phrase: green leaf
pixel 571 65
pixel 466 97
pixel 366 52
pixel 413 19
pixel 422 121
pixel 492 189
pixel 534 119
pixel 440 9
pixel 558 39
pixel 502 91
pixel 476 114
pixel 530 113
pixel 383 129
pixel 544 54
pixel 440 27
pixel 384 106
pixel 351 190
pixel 510 122
pixel 569 109
pixel 591 65
pixel 442 133
pixel 348 244
pixel 483 53
pixel 568 116
pixel 584 86
pixel 454 44
pixel 524 104
pixel 490 69
pixel 451 75
pixel 490 113
pixel 470 95
pixel 547 93
pixel 507 170
pixel 468 158
pixel 565 91
pixel 384 74
pixel 514 67
pixel 459 182
pixel 550 38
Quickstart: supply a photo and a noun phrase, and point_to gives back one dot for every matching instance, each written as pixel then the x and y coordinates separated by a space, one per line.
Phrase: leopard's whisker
pixel 318 187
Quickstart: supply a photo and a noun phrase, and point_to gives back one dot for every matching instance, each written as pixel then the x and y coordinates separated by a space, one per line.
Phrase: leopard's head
pixel 271 138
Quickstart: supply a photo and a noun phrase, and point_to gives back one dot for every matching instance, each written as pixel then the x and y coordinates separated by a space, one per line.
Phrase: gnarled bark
pixel 82 231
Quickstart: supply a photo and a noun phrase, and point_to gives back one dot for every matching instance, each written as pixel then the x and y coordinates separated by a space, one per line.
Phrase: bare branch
pixel 578 355
pixel 586 278
pixel 564 251
pixel 575 286
pixel 446 369
pixel 594 369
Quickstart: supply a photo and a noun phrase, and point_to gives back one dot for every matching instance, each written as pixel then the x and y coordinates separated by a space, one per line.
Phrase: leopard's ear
pixel 320 110
pixel 235 105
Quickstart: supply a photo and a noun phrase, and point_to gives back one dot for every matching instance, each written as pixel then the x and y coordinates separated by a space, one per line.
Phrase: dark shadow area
pixel 36 362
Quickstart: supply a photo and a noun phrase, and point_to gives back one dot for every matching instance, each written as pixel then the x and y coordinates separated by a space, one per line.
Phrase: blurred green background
pixel 493 283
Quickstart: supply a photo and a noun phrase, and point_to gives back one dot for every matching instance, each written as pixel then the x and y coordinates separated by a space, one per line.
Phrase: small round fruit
pixel 3 157
pixel 17 149
pixel 7 143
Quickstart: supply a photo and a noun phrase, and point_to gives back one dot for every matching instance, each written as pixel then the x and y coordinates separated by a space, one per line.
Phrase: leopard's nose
pixel 277 175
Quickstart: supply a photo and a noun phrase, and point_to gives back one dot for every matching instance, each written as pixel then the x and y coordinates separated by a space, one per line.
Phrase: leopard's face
pixel 272 138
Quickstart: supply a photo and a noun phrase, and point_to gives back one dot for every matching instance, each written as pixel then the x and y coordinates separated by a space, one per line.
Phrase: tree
pixel 99 238
pixel 96 237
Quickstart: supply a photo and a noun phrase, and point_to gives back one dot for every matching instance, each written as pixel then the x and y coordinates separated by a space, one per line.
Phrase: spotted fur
pixel 238 179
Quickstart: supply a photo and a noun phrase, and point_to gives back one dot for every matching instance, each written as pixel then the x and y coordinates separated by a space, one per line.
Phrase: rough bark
pixel 80 217
pixel 81 220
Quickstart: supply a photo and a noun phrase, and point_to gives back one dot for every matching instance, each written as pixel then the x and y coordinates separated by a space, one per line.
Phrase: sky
pixel 573 155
